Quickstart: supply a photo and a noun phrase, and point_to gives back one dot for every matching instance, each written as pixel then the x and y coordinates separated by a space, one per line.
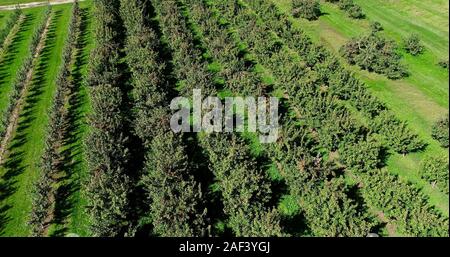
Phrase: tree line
pixel 298 156
pixel 236 177
pixel 371 153
pixel 51 166
pixel 10 116
pixel 216 47
pixel 244 184
pixel 174 202
pixel 108 187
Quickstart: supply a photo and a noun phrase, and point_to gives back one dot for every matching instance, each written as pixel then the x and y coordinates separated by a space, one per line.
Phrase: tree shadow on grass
pixel 71 183
pixel 4 219
pixel 12 50
pixel 37 86
pixel 8 185
pixel 14 165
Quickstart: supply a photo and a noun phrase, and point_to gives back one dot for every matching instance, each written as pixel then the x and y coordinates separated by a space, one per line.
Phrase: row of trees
pixel 360 150
pixel 403 204
pixel 10 116
pixel 109 187
pixel 400 202
pixel 396 134
pixel 210 50
pixel 244 188
pixel 248 204
pixel 174 204
pixel 299 153
pixel 13 19
pixel 51 161
pixel 235 71
pixel 321 68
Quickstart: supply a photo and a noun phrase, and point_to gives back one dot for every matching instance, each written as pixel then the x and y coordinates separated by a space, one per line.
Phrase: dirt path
pixel 13 121
pixel 36 4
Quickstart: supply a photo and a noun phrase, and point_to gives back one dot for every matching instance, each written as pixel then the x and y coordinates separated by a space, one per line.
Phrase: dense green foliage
pixel 434 169
pixel 294 159
pixel 109 188
pixel 326 174
pixel 367 156
pixel 308 9
pixel 413 45
pixel 174 198
pixel 403 204
pixel 440 131
pixel 362 156
pixel 376 54
pixel 353 10
pixel 244 187
pixel 396 133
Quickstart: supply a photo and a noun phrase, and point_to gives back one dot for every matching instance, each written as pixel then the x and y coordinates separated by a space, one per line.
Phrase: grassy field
pixel 422 97
pixel 3 18
pixel 28 142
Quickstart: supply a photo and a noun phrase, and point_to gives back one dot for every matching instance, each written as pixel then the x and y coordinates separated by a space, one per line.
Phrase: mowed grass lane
pixel 28 143
pixel 402 18
pixel 421 98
